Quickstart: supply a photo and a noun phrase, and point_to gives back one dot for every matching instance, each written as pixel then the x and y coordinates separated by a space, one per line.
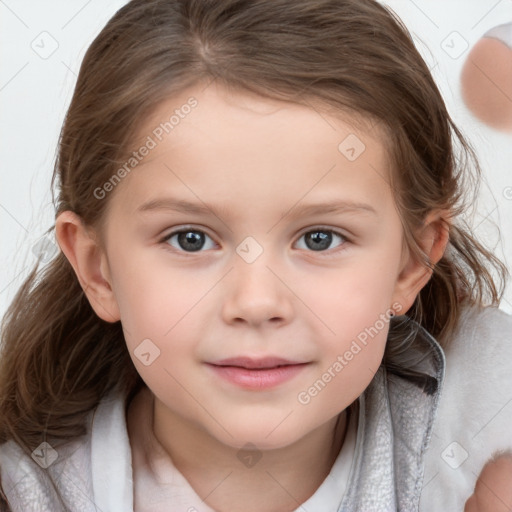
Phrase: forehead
pixel 210 141
pixel 219 112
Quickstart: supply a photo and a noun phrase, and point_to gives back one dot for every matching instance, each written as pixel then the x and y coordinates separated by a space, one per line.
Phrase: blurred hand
pixel 486 82
pixel 493 489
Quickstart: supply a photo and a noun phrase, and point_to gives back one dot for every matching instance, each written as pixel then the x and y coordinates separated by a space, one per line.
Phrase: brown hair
pixel 58 358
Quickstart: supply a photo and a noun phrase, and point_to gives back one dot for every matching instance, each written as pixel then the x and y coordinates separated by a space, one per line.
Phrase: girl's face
pixel 290 256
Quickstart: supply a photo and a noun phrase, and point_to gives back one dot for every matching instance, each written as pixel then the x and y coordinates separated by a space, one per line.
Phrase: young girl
pixel 266 298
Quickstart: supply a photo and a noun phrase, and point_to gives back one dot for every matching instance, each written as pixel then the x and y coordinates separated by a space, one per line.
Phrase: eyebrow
pixel 177 205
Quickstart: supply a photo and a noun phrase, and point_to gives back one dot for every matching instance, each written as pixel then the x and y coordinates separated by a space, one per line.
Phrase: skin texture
pixel 486 83
pixel 256 161
pixel 493 489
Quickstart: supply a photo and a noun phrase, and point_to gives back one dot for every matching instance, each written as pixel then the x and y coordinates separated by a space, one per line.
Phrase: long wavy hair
pixel 58 359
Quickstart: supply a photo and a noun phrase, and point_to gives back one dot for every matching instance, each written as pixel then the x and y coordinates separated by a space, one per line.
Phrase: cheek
pixel 351 298
pixel 354 310
pixel 333 392
pixel 153 297
pixel 349 367
pixel 160 312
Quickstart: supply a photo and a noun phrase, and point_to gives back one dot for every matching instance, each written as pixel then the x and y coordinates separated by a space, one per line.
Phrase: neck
pixel 230 480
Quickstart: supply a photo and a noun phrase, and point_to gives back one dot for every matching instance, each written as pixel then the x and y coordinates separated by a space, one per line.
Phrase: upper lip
pixel 255 363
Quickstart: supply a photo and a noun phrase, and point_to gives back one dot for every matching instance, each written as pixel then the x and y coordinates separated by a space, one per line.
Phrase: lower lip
pixel 258 379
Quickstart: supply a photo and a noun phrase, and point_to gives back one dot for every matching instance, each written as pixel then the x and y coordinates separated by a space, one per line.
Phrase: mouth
pixel 257 373
pixel 264 363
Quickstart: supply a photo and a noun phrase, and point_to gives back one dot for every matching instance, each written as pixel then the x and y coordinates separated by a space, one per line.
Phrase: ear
pixel 88 259
pixel 414 275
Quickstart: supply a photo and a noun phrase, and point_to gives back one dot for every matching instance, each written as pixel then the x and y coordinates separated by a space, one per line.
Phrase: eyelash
pixel 316 229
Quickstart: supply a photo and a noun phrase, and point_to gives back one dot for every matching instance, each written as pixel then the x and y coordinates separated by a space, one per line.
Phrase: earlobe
pixel 414 275
pixel 89 262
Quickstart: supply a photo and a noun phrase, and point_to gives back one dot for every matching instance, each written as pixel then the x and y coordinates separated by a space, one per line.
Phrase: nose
pixel 257 295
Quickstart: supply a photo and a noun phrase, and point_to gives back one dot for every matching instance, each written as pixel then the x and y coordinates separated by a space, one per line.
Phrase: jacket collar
pixel 396 414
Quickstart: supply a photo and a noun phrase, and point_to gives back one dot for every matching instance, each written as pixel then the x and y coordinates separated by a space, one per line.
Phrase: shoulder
pixel 482 327
pixel 474 416
pixel 479 356
pixel 56 475
pixel 479 359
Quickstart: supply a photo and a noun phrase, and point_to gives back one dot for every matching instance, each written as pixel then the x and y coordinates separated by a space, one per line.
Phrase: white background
pixel 35 93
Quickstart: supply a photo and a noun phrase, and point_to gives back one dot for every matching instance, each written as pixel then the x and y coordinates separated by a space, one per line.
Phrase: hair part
pixel 353 57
